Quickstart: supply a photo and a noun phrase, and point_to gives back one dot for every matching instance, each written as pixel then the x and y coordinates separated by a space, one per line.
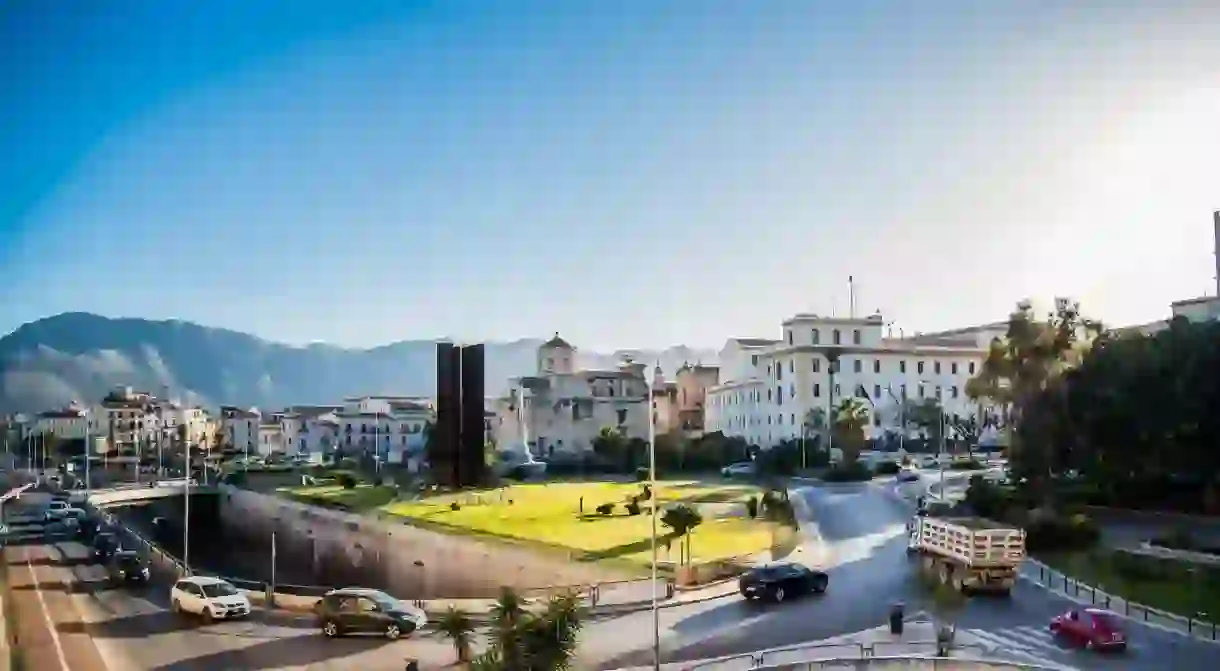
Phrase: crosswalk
pixel 1034 642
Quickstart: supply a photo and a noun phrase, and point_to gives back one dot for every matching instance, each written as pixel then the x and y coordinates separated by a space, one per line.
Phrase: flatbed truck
pixel 968 554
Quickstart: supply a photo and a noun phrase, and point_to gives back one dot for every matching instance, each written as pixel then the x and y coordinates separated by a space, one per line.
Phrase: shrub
pixel 887 468
pixel 971 465
pixel 1050 532
pixel 641 474
pixel 855 472
pixel 752 507
pixel 345 480
pixel 645 493
pixel 454 506
pixel 632 506
pixel 605 509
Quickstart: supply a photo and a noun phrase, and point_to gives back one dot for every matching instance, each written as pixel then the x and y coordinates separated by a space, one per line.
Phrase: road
pixel 99 628
pixel 862 527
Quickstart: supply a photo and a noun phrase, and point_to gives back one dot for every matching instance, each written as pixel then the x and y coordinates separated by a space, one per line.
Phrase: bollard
pixel 897 611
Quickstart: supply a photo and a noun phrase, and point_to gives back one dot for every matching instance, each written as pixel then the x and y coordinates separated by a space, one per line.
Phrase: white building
pixel 310 429
pixel 563 409
pixel 129 418
pixel 768 387
pixel 271 436
pixel 388 426
pixel 71 423
pixel 239 428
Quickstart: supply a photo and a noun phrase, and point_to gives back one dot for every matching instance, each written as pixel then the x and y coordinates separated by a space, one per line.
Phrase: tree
pixel 458 627
pixel 1020 367
pixel 927 416
pixel 682 519
pixel 851 416
pixel 966 429
pixel 611 445
pixel 522 640
pixel 813 425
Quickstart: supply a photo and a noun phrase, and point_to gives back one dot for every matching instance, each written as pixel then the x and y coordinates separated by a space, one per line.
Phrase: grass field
pixel 551 514
pixel 1187 595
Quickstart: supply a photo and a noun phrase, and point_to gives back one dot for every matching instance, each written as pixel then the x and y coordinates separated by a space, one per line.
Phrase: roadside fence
pixel 1057 581
pixel 851 654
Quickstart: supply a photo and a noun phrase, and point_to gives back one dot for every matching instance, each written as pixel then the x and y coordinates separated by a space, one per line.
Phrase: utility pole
pixel 652 477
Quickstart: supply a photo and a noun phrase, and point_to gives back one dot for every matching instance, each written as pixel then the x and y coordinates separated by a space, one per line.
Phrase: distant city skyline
pixel 306 171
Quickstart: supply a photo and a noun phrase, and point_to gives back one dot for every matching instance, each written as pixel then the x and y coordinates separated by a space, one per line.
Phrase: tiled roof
pixel 755 342
pixel 557 342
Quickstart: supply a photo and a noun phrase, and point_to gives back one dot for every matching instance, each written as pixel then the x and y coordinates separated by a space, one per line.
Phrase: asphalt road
pixel 862 529
pixel 98 627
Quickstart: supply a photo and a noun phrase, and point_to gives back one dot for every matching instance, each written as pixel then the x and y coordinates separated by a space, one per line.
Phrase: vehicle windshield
pixel 213 590
pixel 384 600
pixel 127 558
pixel 1106 622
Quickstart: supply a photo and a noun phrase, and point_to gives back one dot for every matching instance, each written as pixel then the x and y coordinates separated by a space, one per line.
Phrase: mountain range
pixel 79 356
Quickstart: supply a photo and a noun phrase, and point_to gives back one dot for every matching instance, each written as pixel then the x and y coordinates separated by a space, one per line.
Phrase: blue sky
pixel 629 173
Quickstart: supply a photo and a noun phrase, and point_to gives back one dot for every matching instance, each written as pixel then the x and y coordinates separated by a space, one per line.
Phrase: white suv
pixel 208 597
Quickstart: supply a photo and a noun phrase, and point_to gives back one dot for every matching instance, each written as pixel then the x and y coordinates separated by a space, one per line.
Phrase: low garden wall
pixel 408 561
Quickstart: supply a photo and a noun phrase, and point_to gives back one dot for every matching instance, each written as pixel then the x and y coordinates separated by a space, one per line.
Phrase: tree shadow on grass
pixel 663 541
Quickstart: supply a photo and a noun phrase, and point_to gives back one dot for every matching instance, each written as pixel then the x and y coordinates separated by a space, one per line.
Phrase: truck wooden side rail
pixel 968 553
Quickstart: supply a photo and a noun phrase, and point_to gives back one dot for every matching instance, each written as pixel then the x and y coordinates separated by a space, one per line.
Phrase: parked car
pixel 127 567
pixel 740 469
pixel 776 582
pixel 209 598
pixel 1092 628
pixel 55 509
pixel 359 610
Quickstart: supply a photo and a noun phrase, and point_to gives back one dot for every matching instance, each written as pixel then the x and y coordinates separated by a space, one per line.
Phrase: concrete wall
pixel 410 562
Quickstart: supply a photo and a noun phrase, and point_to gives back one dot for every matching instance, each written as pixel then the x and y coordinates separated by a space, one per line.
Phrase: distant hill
pixel 80 356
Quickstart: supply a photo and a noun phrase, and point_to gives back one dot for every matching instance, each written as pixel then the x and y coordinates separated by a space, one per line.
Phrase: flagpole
pixel 652 477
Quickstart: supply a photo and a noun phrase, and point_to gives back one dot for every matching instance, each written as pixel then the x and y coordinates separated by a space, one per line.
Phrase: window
pixel 789 337
pixel 838 392
pixel 936 368
pixel 779 396
pixel 902 367
pixel 876 420
pixel 768 369
pixel 921 391
pixel 817 365
pixel 792 419
pixel 857 365
pixel 779 370
pixel 938 394
pixel 919 368
pixel 903 392
pixel 754 360
pixel 836 336
pixel 817 390
pixel 791 365
pixel 837 366
pixel 877 391
pixel 972 368
pixel 792 391
pixel 815 336
pixel 855 336
pixel 953 391
pixel 768 395
pixel 876 365
pixel 953 368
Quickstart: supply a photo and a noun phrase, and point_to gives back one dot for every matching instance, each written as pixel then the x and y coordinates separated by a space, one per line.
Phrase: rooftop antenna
pixel 851 297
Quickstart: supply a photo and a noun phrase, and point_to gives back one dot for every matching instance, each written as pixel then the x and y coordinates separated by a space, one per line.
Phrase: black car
pixel 127 567
pixel 357 610
pixel 105 544
pixel 777 582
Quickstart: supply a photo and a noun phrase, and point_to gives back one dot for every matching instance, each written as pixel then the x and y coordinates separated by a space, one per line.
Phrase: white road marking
pixel 46 613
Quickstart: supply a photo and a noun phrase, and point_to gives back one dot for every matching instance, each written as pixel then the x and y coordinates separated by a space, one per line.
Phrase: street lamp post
pixel 902 417
pixel 652 477
pixel 940 419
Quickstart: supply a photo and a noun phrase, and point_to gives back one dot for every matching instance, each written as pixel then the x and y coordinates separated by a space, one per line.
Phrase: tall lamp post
pixel 652 478
pixel 940 410
pixel 902 417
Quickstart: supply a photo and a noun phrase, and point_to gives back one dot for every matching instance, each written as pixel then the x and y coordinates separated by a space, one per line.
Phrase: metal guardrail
pixel 910 661
pixel 1058 581
pixel 822 651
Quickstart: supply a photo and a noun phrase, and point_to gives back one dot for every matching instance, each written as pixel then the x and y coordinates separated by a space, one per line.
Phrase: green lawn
pixel 358 499
pixel 1172 588
pixel 551 514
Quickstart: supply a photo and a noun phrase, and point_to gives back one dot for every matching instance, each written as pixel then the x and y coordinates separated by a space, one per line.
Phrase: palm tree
pixel 531 641
pixel 851 416
pixel 682 519
pixel 457 626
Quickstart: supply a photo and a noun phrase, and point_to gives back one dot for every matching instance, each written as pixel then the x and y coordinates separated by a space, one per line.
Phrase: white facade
pixel 239 428
pixel 770 386
pixel 563 409
pixel 271 438
pixel 390 427
pixel 71 423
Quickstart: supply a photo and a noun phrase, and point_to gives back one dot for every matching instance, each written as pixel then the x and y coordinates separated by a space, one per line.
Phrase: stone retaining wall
pixel 410 562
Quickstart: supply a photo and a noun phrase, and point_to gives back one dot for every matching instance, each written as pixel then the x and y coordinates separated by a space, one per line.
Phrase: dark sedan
pixel 127 567
pixel 776 582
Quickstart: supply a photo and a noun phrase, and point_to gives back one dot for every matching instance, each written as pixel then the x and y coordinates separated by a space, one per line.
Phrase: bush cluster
pixel 1056 532
pixel 971 465
pixel 887 468
pixel 854 472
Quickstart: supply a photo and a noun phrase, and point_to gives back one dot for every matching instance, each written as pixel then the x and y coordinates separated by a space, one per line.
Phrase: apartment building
pixel 770 386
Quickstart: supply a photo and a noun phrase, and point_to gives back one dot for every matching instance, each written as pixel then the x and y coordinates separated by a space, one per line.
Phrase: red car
pixel 1092 628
